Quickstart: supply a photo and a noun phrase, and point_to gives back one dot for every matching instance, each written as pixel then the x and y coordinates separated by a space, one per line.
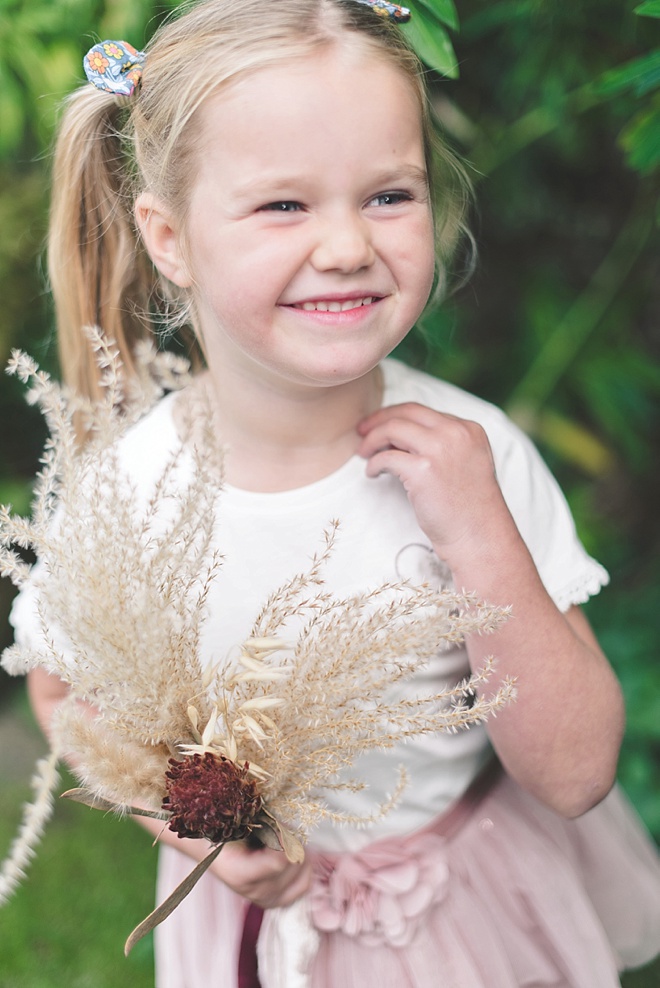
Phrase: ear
pixel 159 233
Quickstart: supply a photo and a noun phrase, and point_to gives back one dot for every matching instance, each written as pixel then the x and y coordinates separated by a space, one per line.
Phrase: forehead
pixel 340 105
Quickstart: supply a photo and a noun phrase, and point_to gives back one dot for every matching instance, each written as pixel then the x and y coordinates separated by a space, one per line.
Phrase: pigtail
pixel 99 273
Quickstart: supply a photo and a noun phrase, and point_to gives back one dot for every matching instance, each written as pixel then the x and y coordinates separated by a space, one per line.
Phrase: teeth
pixel 322 306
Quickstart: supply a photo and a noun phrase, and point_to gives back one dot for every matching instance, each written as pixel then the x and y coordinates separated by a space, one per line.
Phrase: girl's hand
pixel 262 875
pixel 446 467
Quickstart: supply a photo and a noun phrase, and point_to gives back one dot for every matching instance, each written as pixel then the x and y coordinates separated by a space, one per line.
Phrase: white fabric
pixel 267 538
pixel 287 946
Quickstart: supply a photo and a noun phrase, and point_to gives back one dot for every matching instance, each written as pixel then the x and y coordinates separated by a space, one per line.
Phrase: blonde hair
pixel 112 147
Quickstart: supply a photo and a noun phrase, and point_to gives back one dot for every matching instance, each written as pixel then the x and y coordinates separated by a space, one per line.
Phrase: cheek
pixel 420 260
pixel 428 266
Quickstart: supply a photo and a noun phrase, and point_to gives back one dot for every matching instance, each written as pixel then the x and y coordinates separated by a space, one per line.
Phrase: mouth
pixel 334 305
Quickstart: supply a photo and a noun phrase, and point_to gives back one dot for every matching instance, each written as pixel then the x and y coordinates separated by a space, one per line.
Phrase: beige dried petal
pixel 193 714
pixel 267 644
pixel 258 772
pixel 249 662
pixel 290 844
pixel 262 703
pixel 265 719
pixel 209 674
pixel 209 730
pixel 254 729
pixel 263 675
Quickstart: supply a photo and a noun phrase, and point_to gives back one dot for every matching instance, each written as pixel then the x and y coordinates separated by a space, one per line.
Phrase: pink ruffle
pixel 517 897
pixel 377 896
pixel 499 893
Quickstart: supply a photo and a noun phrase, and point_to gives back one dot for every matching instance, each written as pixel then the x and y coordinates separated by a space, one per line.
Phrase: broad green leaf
pixel 444 11
pixel 432 43
pixel 641 74
pixel 651 8
pixel 641 140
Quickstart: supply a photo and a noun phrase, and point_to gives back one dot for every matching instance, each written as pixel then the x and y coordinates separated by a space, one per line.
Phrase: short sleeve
pixel 539 508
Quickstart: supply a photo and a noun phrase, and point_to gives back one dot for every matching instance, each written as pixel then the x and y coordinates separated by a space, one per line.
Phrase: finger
pixel 299 884
pixel 410 410
pixel 396 462
pixel 397 433
pixel 245 866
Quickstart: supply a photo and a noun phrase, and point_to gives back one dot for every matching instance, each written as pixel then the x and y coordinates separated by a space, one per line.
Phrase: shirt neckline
pixel 352 472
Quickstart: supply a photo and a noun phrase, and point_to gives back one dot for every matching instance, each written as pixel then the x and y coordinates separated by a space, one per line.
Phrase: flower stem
pixel 162 911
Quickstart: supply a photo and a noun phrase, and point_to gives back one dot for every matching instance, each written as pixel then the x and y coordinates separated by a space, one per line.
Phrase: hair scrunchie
pixel 114 67
pixel 392 11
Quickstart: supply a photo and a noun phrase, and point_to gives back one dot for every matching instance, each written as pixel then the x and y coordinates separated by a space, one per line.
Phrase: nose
pixel 344 244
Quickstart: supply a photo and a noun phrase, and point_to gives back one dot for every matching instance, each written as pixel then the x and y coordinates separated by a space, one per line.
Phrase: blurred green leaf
pixel 11 111
pixel 444 11
pixel 621 389
pixel 495 15
pixel 18 494
pixel 641 75
pixel 640 139
pixel 650 8
pixel 562 347
pixel 432 43
pixel 573 442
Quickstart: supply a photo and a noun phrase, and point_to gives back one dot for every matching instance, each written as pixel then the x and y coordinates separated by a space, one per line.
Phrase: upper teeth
pixel 351 303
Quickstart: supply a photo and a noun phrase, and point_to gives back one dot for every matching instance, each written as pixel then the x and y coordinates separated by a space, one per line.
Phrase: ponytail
pixel 99 273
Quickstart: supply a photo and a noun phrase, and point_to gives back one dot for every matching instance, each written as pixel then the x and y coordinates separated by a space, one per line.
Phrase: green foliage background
pixel 556 106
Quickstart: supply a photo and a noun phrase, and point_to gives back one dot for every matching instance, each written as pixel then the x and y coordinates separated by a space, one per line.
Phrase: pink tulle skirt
pixel 499 892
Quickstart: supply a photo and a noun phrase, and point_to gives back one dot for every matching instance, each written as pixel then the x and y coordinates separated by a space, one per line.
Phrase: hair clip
pixel 390 10
pixel 115 67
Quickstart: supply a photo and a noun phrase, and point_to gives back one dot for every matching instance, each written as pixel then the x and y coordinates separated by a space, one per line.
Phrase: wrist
pixel 489 560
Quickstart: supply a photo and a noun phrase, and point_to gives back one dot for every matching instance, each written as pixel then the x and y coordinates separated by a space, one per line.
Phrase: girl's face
pixel 310 242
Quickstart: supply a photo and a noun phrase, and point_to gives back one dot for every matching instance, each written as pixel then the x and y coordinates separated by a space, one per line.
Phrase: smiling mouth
pixel 334 305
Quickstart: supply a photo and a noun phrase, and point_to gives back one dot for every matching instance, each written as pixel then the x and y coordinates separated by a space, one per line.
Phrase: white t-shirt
pixel 266 538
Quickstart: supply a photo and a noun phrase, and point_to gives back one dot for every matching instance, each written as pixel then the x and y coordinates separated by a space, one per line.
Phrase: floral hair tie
pixel 391 11
pixel 115 67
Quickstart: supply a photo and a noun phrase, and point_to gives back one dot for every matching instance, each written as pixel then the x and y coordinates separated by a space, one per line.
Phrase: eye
pixel 281 206
pixel 390 198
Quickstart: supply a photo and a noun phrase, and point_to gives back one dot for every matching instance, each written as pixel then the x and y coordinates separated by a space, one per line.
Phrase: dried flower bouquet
pixel 241 750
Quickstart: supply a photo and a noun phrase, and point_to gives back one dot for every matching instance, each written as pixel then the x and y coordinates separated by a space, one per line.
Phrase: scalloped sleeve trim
pixel 587 584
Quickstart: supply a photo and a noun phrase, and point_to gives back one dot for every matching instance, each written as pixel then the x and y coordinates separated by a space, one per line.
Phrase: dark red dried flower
pixel 209 796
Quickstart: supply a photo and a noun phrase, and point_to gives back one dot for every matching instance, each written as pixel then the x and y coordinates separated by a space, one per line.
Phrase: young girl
pixel 274 177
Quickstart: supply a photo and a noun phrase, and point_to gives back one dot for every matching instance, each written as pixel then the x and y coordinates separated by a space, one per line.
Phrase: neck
pixel 282 438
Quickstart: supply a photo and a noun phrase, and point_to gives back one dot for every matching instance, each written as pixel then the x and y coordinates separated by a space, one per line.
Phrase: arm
pixel 561 739
pixel 262 875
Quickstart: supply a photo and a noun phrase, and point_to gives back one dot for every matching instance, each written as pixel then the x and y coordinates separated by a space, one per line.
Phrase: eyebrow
pixel 406 173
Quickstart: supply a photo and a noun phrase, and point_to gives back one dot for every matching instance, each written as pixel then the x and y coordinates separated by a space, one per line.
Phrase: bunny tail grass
pixel 35 817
